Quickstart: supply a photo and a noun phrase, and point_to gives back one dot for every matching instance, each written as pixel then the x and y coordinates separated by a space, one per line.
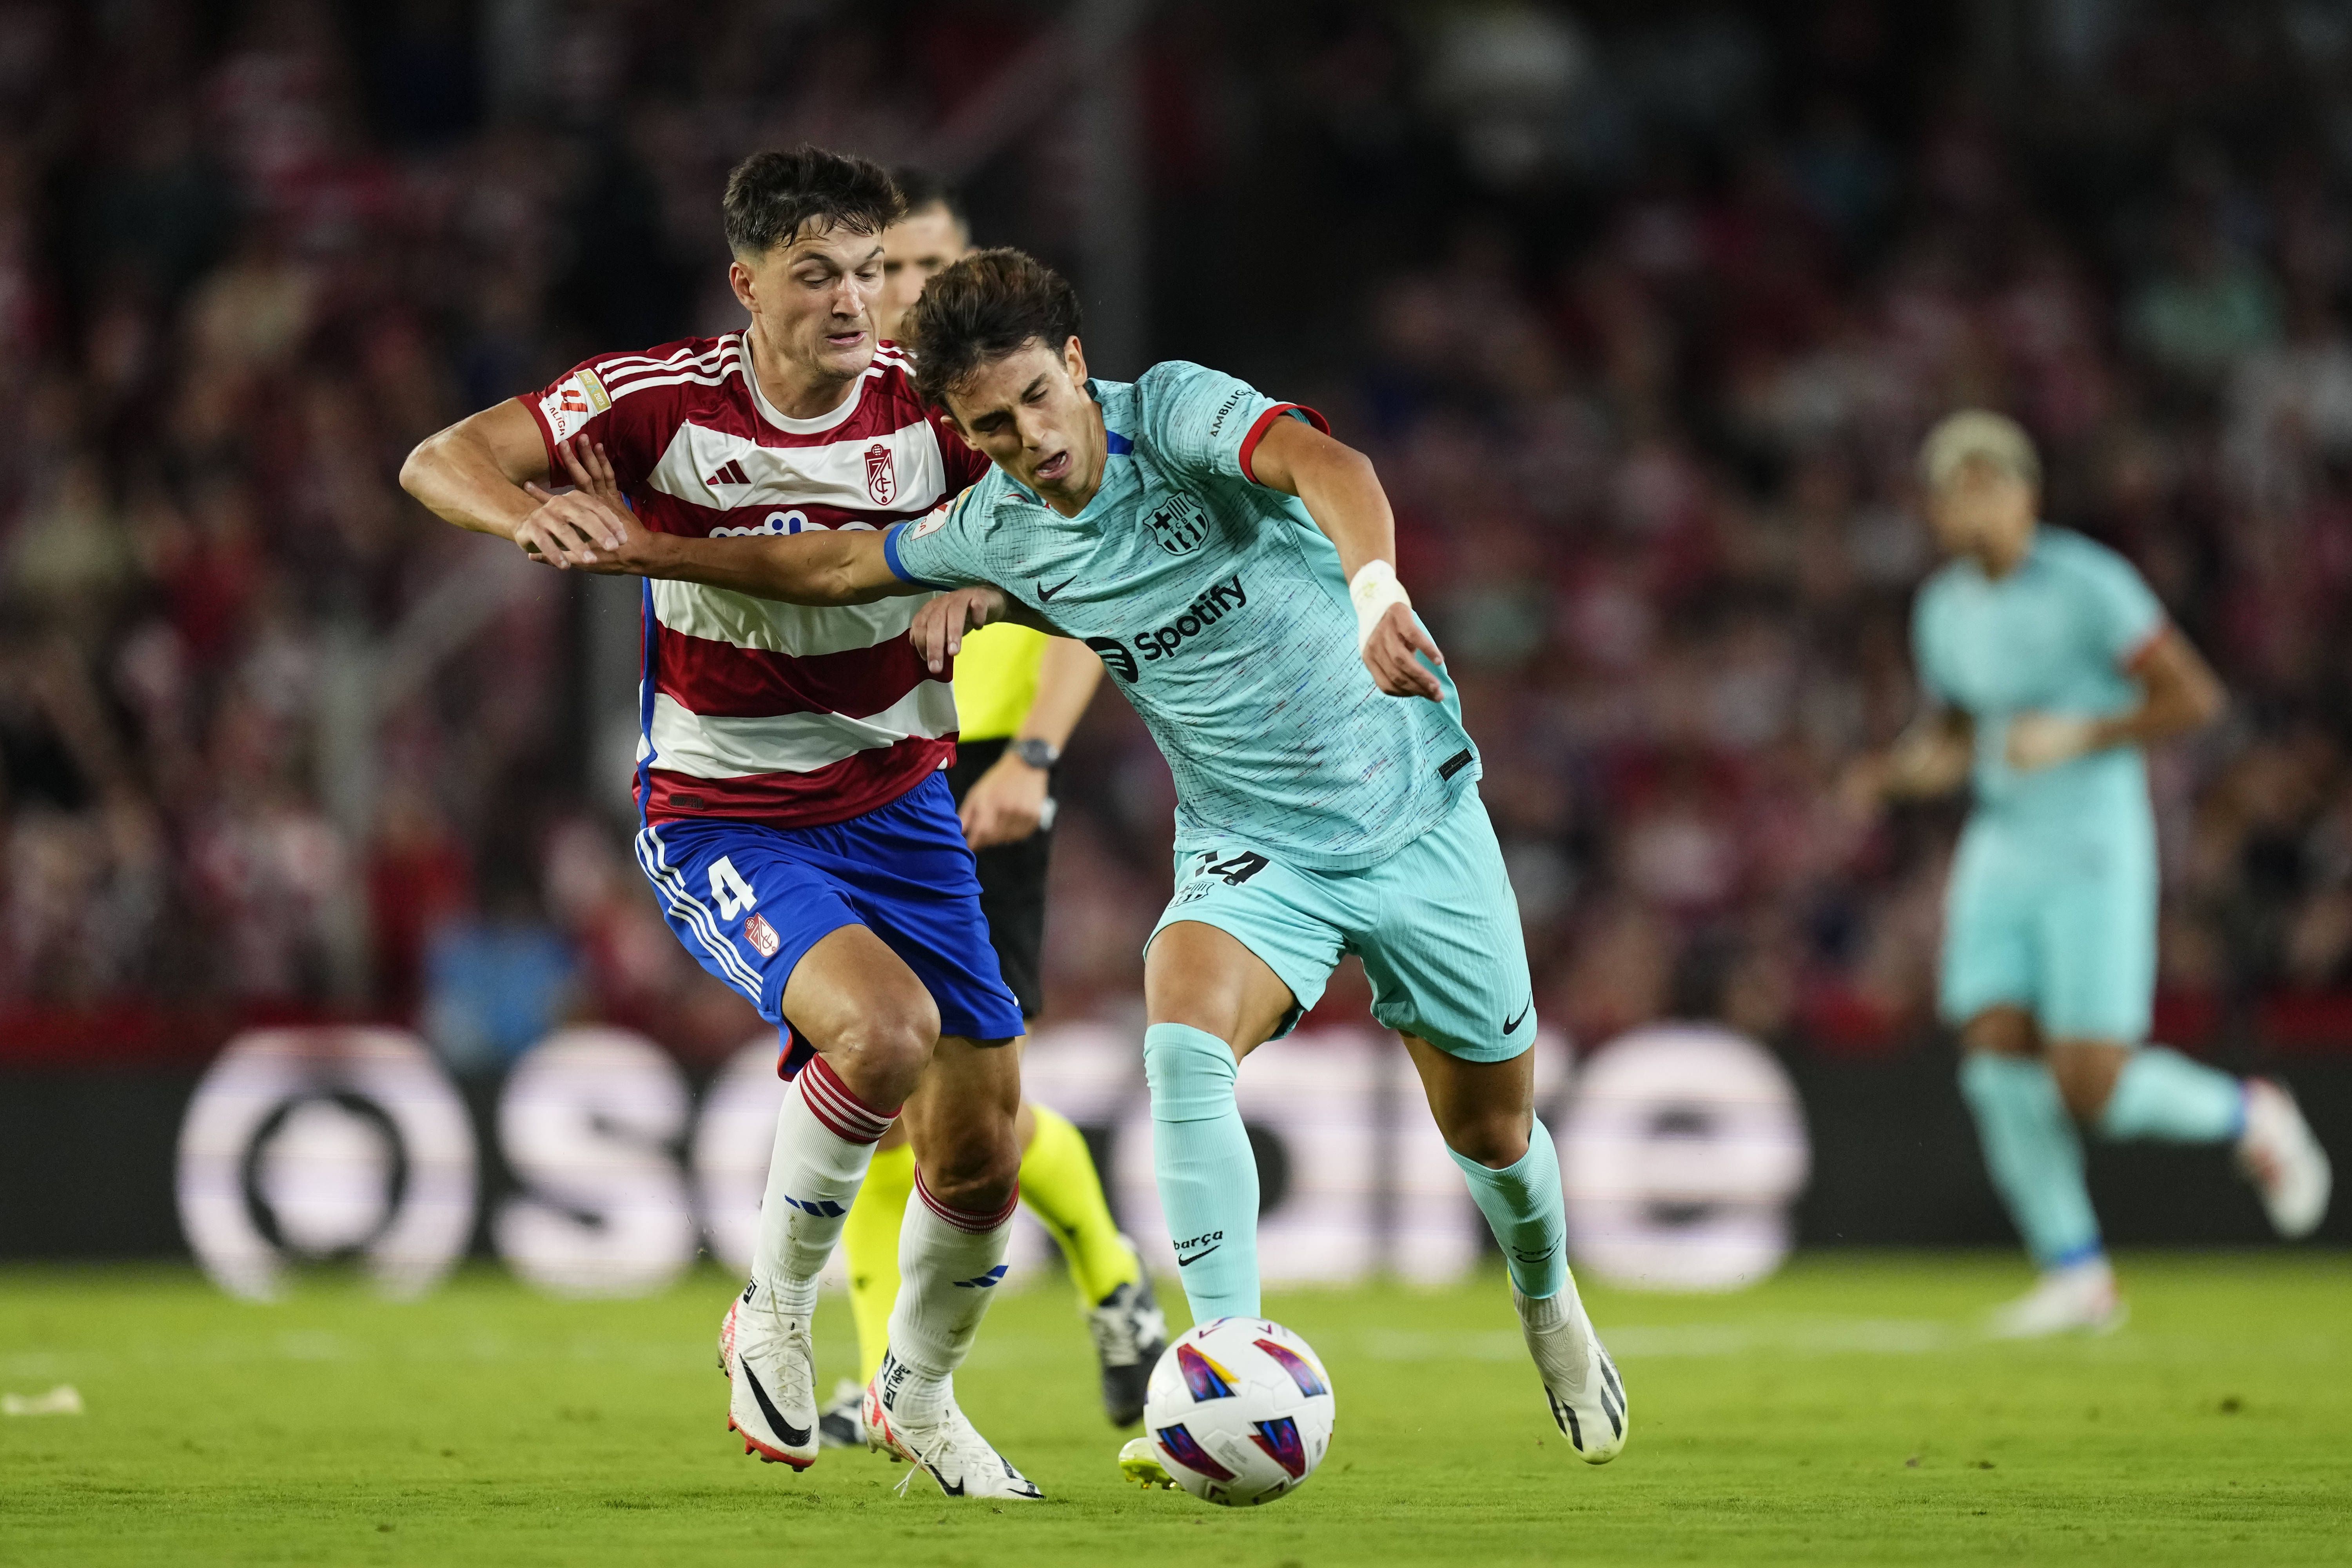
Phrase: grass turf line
pixel 1842 1412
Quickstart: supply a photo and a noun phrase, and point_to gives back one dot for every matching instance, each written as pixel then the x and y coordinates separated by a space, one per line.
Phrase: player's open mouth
pixel 846 339
pixel 1054 467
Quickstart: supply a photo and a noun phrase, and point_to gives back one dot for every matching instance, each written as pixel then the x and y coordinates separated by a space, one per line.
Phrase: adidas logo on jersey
pixel 730 472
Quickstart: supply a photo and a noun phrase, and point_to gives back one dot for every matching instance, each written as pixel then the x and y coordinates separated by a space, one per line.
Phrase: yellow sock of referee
pixel 869 1245
pixel 1059 1184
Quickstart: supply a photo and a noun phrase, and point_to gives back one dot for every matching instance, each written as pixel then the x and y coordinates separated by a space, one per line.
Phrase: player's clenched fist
pixel 1388 636
pixel 591 526
pixel 938 628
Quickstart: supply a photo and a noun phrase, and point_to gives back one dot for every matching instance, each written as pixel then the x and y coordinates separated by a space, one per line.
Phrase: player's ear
pixel 955 423
pixel 1074 360
pixel 738 278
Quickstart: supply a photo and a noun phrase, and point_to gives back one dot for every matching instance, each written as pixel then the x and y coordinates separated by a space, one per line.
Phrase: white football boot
pixel 2284 1161
pixel 939 1440
pixel 2078 1298
pixel 770 1367
pixel 1580 1382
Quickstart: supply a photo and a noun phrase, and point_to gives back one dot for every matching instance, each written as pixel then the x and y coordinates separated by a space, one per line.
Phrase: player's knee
pixel 1496 1141
pixel 883 1051
pixel 978 1172
pixel 2085 1079
pixel 2001 1032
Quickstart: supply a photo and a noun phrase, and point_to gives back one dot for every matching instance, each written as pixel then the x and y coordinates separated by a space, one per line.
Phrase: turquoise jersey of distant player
pixel 2052 900
pixel 1220 609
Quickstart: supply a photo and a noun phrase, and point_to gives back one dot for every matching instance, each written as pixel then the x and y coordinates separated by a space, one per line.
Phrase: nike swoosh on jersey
pixel 793 1436
pixel 1522 1018
pixel 1188 1262
pixel 1045 594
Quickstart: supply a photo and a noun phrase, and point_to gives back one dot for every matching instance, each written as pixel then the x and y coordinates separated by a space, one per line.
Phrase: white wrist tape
pixel 1373 590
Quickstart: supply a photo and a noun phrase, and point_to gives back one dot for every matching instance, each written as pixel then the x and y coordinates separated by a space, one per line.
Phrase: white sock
pixel 825 1140
pixel 950 1261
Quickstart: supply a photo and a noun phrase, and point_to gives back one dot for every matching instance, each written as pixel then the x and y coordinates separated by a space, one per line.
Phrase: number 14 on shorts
pixel 1233 871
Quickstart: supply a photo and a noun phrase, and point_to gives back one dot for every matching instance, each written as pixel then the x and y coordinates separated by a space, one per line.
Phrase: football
pixel 1240 1410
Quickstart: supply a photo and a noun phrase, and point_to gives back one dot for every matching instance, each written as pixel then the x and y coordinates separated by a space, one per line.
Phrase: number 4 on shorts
pixel 728 886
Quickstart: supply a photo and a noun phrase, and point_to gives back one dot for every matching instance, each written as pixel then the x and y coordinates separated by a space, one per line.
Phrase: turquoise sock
pixel 1522 1205
pixel 2163 1094
pixel 1208 1177
pixel 2035 1154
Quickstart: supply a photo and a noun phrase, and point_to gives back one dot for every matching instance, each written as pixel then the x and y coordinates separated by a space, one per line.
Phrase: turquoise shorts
pixel 1436 925
pixel 2062 925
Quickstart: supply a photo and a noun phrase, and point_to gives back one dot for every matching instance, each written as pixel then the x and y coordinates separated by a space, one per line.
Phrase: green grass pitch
pixel 1841 1413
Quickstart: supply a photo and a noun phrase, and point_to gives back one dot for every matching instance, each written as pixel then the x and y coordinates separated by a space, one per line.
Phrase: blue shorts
pixel 747 900
pixel 2061 925
pixel 1436 925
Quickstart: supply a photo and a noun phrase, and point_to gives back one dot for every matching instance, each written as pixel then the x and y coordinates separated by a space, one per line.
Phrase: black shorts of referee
pixel 1012 883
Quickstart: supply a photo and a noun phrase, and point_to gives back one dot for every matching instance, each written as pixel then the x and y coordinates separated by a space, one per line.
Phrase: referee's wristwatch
pixel 1038 753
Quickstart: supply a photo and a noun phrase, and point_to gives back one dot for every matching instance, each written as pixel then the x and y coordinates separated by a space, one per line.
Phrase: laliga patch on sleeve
pixel 570 403
pixel 933 522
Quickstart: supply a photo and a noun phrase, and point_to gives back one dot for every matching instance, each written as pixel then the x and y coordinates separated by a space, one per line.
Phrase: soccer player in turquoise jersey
pixel 2048 665
pixel 1233 565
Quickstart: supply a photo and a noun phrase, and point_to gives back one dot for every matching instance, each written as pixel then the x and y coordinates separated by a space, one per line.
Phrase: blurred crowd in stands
pixel 1641 312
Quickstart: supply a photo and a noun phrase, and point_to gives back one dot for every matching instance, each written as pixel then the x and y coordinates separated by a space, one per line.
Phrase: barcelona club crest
pixel 1180 525
pixel 881 474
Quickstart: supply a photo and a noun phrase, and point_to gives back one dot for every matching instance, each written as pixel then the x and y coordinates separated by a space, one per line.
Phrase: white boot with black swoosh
pixel 936 1436
pixel 770 1367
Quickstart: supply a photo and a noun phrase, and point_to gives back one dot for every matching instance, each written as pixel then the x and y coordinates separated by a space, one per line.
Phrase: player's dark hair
pixel 773 199
pixel 924 190
pixel 991 304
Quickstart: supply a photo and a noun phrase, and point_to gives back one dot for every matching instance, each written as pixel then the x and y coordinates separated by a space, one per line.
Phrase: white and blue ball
pixel 1239 1409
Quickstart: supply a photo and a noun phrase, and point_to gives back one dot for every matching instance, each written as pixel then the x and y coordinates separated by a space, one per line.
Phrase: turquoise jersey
pixel 1220 609
pixel 2054 635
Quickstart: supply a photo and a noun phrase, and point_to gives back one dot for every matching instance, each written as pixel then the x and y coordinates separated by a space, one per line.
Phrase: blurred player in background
pixel 2049 667
pixel 796 828
pixel 1018 695
pixel 1233 566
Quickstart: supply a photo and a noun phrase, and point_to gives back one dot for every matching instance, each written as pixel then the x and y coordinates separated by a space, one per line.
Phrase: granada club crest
pixel 1179 525
pixel 881 474
pixel 763 936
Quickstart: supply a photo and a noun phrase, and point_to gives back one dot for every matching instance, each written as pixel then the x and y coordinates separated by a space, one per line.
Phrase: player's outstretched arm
pixel 1344 497
pixel 838 567
pixel 474 474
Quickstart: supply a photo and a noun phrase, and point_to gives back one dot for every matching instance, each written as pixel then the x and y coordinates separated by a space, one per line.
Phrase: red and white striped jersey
pixel 754 710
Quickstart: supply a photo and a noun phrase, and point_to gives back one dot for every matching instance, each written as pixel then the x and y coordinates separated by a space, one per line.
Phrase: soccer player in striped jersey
pixel 2049 667
pixel 1018 695
pixel 796 823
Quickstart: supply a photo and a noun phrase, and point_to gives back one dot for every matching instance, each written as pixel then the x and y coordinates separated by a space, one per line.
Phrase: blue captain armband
pixel 891 547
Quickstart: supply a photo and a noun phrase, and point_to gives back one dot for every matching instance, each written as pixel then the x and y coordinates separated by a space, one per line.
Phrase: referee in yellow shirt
pixel 1018 694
